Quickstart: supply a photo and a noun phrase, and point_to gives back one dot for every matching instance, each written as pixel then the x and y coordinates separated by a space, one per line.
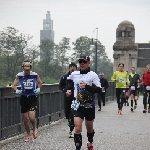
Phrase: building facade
pixel 47 32
pixel 143 54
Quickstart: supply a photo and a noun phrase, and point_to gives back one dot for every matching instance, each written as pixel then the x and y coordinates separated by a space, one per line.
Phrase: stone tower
pixel 125 49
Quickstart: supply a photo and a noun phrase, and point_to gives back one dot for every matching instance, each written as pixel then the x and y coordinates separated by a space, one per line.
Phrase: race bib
pixel 121 79
pixel 75 104
pixel 103 90
pixel 86 105
pixel 28 85
pixel 148 88
pixel 132 87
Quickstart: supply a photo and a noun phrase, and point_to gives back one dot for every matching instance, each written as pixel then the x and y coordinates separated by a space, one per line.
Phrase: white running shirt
pixel 82 95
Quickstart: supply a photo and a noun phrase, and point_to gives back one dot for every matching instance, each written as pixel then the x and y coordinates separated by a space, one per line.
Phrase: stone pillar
pixel 125 49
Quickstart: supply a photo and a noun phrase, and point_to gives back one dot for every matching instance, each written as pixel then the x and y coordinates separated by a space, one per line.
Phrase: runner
pixel 134 79
pixel 68 99
pixel 121 79
pixel 86 83
pixel 104 85
pixel 146 88
pixel 28 101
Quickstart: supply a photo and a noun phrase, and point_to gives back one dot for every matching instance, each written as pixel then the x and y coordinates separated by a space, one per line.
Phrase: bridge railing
pixel 50 108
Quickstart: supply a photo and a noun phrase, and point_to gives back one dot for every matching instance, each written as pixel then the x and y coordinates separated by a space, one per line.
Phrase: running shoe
pixel 131 109
pixel 27 139
pixel 99 109
pixel 90 146
pixel 120 112
pixel 135 106
pixel 127 104
pixel 35 134
pixel 144 111
pixel 71 135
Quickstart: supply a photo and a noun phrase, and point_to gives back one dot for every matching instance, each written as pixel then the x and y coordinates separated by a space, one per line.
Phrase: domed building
pixel 125 49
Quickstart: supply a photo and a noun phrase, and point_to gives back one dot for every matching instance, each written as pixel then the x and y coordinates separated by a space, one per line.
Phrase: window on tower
pixel 122 34
pixel 129 34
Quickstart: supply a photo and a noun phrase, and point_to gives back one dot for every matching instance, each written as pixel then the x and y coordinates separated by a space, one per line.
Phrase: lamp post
pixel 94 42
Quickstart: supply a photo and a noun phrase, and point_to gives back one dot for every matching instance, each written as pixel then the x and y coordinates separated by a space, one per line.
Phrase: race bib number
pixel 28 85
pixel 132 87
pixel 121 79
pixel 148 88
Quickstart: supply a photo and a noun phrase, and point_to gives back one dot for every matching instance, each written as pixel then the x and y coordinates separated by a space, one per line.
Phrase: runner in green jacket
pixel 121 78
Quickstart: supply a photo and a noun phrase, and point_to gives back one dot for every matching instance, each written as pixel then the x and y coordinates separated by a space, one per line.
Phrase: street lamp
pixel 94 42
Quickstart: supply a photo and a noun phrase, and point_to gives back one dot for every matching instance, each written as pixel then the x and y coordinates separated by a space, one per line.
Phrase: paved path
pixel 130 131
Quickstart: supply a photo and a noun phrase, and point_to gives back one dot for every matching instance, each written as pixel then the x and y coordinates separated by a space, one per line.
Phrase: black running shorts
pixel 28 103
pixel 134 92
pixel 87 113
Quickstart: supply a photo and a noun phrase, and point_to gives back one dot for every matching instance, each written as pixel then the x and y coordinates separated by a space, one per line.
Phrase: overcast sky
pixel 75 18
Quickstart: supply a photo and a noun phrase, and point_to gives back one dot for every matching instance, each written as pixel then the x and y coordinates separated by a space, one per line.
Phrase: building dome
pixel 126 22
pixel 125 33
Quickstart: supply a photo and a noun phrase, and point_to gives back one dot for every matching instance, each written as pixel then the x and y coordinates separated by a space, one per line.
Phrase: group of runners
pixel 79 87
pixel 128 85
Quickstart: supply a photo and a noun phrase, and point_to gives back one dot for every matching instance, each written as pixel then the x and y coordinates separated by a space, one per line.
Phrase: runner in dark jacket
pixel 134 79
pixel 104 85
pixel 68 99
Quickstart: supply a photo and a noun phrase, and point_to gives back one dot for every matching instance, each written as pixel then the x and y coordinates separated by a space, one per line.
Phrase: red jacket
pixel 146 78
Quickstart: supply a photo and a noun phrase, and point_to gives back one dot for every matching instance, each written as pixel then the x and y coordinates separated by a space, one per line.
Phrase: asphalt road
pixel 129 131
